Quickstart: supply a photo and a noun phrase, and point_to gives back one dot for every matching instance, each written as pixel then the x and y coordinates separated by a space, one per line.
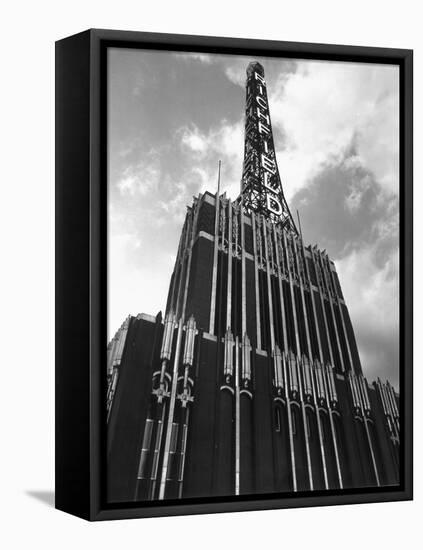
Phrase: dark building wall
pixel 200 279
pixel 257 425
pixel 351 339
pixel 386 446
pixel 130 407
pixel 251 302
pixel 206 215
pixel 264 471
pixel 352 468
pixel 282 456
pixel 199 479
pixel 265 460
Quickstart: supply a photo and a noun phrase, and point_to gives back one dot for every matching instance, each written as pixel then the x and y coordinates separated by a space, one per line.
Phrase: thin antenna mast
pixel 218 178
pixel 299 225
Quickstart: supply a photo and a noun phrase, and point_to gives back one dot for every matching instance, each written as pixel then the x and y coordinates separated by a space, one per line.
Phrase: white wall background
pixel 29 30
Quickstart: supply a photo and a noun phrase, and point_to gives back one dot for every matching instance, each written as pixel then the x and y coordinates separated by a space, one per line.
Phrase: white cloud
pixel 354 199
pixel 225 143
pixel 202 57
pixel 140 178
pixel 372 296
pixel 324 106
pixel 233 66
pixel 235 71
pixel 368 289
pixel 193 139
pixel 127 281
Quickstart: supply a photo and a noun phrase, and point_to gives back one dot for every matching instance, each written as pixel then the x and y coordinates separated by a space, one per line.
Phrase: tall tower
pixel 252 382
pixel 261 186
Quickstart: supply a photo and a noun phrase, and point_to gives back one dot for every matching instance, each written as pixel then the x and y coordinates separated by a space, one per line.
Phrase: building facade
pixel 251 382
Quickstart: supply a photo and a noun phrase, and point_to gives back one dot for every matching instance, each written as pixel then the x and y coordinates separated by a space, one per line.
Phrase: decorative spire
pixel 261 187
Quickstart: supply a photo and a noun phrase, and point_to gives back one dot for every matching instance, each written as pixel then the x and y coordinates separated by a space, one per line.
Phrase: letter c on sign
pixel 261 102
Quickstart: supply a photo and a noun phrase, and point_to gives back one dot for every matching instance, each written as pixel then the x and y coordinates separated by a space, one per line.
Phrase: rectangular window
pixel 308 424
pixel 155 464
pixel 323 425
pixel 174 438
pixel 146 442
pixel 277 419
pixel 294 421
pixel 143 464
pixel 148 431
pixel 172 449
pixel 183 450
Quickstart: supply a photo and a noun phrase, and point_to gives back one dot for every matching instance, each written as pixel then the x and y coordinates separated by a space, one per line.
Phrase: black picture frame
pixel 81 270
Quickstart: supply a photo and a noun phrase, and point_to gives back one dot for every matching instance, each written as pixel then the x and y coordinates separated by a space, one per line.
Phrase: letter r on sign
pixel 260 78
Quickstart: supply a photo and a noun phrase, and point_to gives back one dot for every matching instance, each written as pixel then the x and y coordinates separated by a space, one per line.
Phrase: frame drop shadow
pixel 46 497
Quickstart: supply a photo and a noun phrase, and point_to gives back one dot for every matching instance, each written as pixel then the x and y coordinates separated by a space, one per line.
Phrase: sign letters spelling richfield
pixel 261 184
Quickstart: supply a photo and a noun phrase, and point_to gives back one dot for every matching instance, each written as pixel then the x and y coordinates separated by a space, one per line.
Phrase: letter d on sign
pixel 273 204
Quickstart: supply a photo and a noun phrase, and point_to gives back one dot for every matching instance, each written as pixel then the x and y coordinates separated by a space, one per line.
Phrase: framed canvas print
pixel 234 274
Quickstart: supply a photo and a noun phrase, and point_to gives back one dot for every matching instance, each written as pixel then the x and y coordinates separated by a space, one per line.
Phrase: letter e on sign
pixel 267 163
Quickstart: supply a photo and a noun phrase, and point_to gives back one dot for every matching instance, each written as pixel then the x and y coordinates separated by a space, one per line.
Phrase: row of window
pixel 294 421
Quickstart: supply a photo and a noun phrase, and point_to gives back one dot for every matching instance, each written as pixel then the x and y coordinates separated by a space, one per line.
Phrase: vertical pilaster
pixel 394 407
pixel 185 400
pixel 183 264
pixel 174 383
pixel 277 238
pixel 298 346
pixel 215 260
pixel 322 270
pixel 361 403
pixel 229 288
pixel 324 381
pixel 333 296
pixel 237 420
pixel 185 425
pixel 301 274
pixel 188 271
pixel 256 277
pixel 171 412
pixel 243 275
pixel 267 244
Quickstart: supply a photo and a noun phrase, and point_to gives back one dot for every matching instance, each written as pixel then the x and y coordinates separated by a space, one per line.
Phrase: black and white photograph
pixel 253 261
pixel 211 275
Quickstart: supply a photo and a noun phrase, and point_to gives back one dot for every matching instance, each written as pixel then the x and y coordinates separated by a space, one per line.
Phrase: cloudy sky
pixel 172 116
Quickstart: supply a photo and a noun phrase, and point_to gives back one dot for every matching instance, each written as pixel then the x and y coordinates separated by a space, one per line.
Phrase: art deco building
pixel 251 382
